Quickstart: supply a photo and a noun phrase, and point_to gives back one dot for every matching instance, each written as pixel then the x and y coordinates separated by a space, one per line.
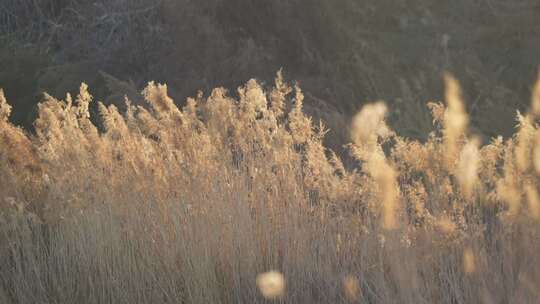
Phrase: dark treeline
pixel 344 52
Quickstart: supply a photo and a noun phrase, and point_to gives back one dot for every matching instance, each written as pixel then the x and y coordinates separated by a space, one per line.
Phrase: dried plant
pixel 166 204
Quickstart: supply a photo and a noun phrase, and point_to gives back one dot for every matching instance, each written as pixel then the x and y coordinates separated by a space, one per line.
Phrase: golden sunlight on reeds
pixel 271 284
pixel 351 287
pixel 156 203
pixel 469 261
pixel 455 120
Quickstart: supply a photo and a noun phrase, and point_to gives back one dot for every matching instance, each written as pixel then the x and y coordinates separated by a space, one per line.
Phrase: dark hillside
pixel 344 52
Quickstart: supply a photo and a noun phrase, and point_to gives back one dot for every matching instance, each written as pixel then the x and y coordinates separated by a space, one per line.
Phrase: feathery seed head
pixel 271 284
pixel 535 102
pixel 533 200
pixel 446 225
pixel 455 119
pixel 536 152
pixel 468 165
pixel 5 108
pixel 351 287
pixel 161 103
pixel 469 263
pixel 278 95
pixel 83 101
pixel 369 124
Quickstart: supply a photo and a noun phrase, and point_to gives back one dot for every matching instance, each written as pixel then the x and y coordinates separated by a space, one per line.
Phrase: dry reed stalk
pixel 533 201
pixel 351 287
pixel 455 120
pixel 469 261
pixel 368 127
pixel 468 166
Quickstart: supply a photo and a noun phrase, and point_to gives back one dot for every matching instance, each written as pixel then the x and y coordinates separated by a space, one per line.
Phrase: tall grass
pixel 207 203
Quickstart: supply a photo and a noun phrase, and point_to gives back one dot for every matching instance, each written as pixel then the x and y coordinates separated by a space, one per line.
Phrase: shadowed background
pixel 343 52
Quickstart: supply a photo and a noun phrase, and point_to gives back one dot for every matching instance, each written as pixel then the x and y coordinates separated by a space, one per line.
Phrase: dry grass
pixel 166 205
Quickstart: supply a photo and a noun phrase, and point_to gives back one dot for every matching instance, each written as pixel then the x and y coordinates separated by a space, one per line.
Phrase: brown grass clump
pixel 161 204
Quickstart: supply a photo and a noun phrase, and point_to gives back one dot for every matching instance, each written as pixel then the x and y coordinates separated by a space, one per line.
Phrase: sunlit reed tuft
pixel 271 284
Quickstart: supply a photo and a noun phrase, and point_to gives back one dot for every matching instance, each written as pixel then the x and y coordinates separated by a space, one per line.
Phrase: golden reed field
pixel 237 200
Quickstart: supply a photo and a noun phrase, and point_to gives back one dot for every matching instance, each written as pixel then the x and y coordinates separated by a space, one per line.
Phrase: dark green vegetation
pixel 344 52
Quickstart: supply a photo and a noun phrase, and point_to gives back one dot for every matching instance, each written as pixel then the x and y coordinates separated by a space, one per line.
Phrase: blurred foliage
pixel 19 75
pixel 344 52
